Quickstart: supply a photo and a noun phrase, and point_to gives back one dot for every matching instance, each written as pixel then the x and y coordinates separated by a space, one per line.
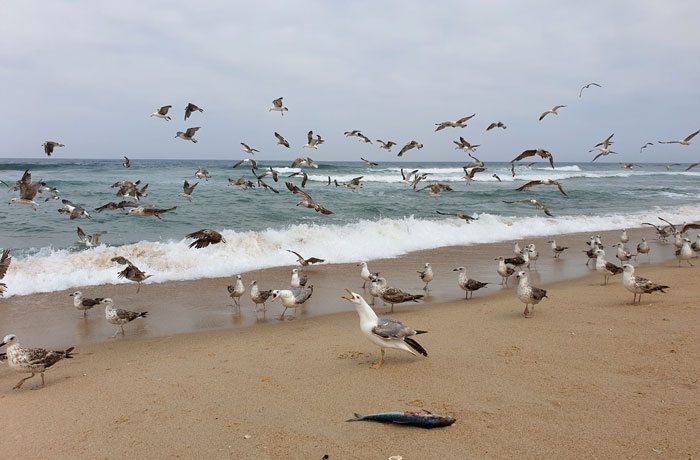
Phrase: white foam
pixel 58 269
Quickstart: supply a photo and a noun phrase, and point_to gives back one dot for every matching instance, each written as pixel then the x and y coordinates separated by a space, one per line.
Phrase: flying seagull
pixel 4 266
pixel 27 190
pixel 464 217
pixel 554 111
pixel 435 189
pixel 188 135
pixel 534 203
pixel 369 163
pixel 469 175
pixel 281 140
pixel 277 106
pixel 364 138
pixel 247 161
pixel 31 360
pixel 127 163
pixel 202 173
pixel 111 206
pixel 242 183
pixel 386 145
pixel 312 143
pixel 542 153
pixel 307 201
pixel 204 238
pixel 462 144
pixel 90 240
pixel 496 124
pixel 50 145
pixel 542 182
pixel 685 141
pixel 304 162
pixel 305 262
pixel 73 210
pixel 305 177
pixel 409 146
pixel 461 123
pixel 191 108
pixel 586 87
pixel 162 112
pixel 187 190
pixel 131 272
pixel 149 210
pixel 354 132
pixel 248 149
pixel 648 144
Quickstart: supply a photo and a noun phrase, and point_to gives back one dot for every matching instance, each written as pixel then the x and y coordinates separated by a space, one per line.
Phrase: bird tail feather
pixel 415 345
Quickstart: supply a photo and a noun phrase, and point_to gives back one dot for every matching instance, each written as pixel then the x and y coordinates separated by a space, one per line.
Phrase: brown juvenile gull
pixel 265 186
pixel 629 165
pixel 435 189
pixel 292 298
pixel 469 175
pixel 426 275
pixel 464 217
pixel 241 182
pixel 529 295
pixel 202 173
pixel 504 270
pixel 608 269
pixel 354 183
pixel 554 111
pixel 371 164
pixel 392 295
pixel 409 146
pixel 73 210
pixel 586 87
pixel 685 141
pixel 31 360
pixel 111 206
pixel 417 178
pixel 461 123
pixel 191 108
pixel 187 190
pixel 277 106
pixel 189 134
pixel 638 285
pixel 556 249
pixel 406 178
pixel 534 203
pixel 383 332
pixel 82 303
pixel 476 163
pixel 27 191
pixel 386 145
pixel 49 146
pixel 247 161
pixel 542 182
pixel 307 201
pixel 258 296
pixel 305 262
pixel 542 153
pixel 90 240
pixel 364 138
pixel 304 162
pixel 131 272
pixel 162 112
pixel 281 140
pixel 671 165
pixel 119 316
pixel 126 163
pixel 462 144
pixel 204 238
pixel 5 261
pixel 304 177
pixel 236 291
pixel 497 124
pixel 248 149
pixel 299 279
pixel 149 210
pixel 312 143
pixel 469 285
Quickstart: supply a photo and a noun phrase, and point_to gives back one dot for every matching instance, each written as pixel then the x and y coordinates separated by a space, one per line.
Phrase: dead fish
pixel 423 419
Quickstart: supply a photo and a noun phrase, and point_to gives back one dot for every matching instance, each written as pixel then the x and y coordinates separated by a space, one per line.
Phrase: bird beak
pixel 349 292
pixel 455 269
pixel 3 344
pixel 70 295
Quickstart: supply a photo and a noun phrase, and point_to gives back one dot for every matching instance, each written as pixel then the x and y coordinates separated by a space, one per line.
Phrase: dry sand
pixel 589 376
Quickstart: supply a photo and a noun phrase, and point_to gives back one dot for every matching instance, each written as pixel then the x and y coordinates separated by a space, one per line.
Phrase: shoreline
pixel 178 307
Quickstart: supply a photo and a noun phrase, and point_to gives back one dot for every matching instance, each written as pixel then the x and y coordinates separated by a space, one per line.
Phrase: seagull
pixel 426 276
pixel 495 176
pixel 364 138
pixel 469 285
pixel 188 135
pixel 417 178
pixel 661 232
pixel 149 210
pixel 629 165
pixel 162 112
pixel 529 295
pixel 385 333
pixel 248 149
pixel 671 165
pixel 127 163
pixel 352 133
pixel 73 210
pixel 5 261
pixel 685 141
pixel 522 258
pixel 608 269
pixel 90 240
pixel 241 182
pixel 312 143
pixel 685 252
pixel 542 153
pixel 393 296
pixel 516 249
pixel 365 274
pixel 512 169
pixel 534 203
pixel 31 360
pixel 622 254
pixel 305 262
pixel 542 182
pixel 292 298
pixel 369 163
pixel 307 201
pixel 187 190
pixel 27 191
pixel 258 296
pixel 645 146
pixel 302 162
pixel 469 175
pixel 504 270
pixel 603 153
pixel 532 254
pixel 461 123
pixel 497 124
pixel 247 161
pixel 82 303
pixel 464 217
pixel 386 145
pixel 638 285
pixel 204 238
pixel 111 206
pixel 304 177
pixel 265 186
pixel 281 140
pixel 235 291
pixel 553 111
pixel 557 250
pixel 409 146
pixel 477 163
pixel 462 144
pixel 191 108
pixel 119 316
pixel 435 189
pixel 50 145
pixel 131 272
pixel 202 173
pixel 277 106
pixel 299 279
pixel 354 183
pixel 586 87
pixel 406 178
pixel 643 248
pixel 624 238
pixel 376 286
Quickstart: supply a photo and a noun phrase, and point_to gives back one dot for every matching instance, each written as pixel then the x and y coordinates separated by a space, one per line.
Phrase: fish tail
pixel 357 418
pixel 415 345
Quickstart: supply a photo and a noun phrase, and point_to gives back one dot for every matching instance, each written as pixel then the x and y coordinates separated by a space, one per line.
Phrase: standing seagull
pixel 191 108
pixel 188 135
pixel 556 249
pixel 638 285
pixel 50 145
pixel 426 276
pixel 292 298
pixel 383 332
pixel 204 238
pixel 365 274
pixel 469 285
pixel 393 296
pixel 162 112
pixel 685 141
pixel 235 291
pixel 4 265
pixel 553 111
pixel 119 316
pixel 608 269
pixel 504 270
pixel 277 106
pixel 187 190
pixel 248 149
pixel 258 296
pixel 82 303
pixel 685 252
pixel 127 163
pixel 529 295
pixel 643 248
pixel 31 360
pixel 586 87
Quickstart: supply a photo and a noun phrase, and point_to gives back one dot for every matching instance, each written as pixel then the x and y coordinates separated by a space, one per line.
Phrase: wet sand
pixel 589 376
pixel 188 306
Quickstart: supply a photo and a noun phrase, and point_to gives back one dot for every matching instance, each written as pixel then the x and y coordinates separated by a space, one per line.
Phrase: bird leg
pixel 392 308
pixel 282 315
pixel 364 284
pixel 466 295
pixel 84 313
pixel 374 366
pixel 115 334
pixel 42 379
pixel 138 288
pixel 526 313
pixel 21 382
pixel 425 288
pixel 690 263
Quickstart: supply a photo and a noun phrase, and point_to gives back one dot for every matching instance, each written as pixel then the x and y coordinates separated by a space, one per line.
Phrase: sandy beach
pixel 590 375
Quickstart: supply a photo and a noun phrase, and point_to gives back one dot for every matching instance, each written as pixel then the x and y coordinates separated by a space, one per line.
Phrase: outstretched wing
pixel 297 191
pixel 525 154
pixel 5 262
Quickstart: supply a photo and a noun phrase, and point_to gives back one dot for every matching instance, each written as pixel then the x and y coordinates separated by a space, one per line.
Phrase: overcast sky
pixel 88 74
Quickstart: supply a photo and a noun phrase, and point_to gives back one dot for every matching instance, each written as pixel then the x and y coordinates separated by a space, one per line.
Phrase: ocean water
pixel 383 219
